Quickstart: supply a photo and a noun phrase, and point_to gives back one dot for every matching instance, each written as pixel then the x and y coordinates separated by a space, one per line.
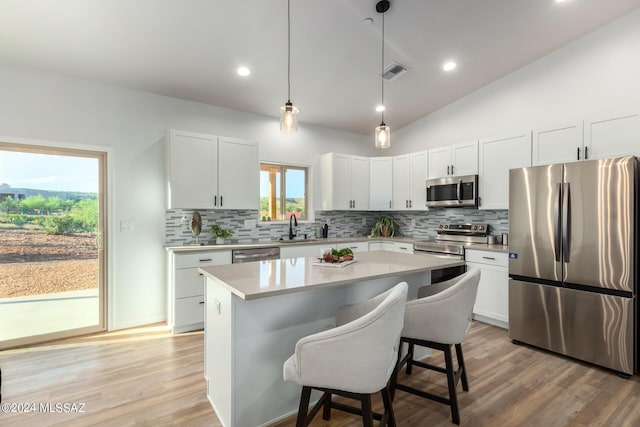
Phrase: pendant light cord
pixel 289 51
pixel 382 72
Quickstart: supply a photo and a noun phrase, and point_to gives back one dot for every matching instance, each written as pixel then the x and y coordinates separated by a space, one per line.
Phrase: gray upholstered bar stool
pixel 438 319
pixel 355 359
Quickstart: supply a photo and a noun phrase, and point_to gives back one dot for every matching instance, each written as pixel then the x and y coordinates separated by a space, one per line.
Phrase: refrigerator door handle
pixel 459 191
pixel 557 242
pixel 566 222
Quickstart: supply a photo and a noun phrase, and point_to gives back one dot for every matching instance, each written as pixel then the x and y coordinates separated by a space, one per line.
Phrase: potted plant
pixel 384 226
pixel 220 233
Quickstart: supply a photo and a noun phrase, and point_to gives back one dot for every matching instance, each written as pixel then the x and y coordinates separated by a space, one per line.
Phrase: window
pixel 283 192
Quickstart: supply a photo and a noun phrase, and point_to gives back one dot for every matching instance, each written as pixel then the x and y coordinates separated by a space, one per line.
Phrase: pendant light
pixel 383 132
pixel 288 113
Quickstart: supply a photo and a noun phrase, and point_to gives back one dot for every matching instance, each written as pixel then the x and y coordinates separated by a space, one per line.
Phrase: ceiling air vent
pixel 393 71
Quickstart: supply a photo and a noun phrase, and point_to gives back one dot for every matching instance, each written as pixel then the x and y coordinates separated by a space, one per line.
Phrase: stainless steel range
pixel 450 242
pixel 451 239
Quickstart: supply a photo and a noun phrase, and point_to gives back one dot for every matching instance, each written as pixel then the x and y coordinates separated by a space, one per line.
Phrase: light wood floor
pixel 145 376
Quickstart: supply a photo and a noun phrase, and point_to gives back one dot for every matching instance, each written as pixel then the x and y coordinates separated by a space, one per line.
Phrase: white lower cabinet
pixel 406 248
pixel 186 288
pixel 492 301
pixel 296 250
pixel 354 246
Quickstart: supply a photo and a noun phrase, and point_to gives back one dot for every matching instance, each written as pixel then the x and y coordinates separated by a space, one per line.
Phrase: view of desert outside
pixel 49 267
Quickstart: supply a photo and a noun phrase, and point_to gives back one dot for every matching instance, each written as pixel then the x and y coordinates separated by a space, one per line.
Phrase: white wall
pixel 43 106
pixel 593 77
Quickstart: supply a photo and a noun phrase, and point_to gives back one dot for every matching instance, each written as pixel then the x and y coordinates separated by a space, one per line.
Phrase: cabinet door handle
pixel 451 169
pixel 204 260
pixel 586 153
pixel 201 302
pixel 389 204
pixel 578 153
pixel 488 257
pixel 402 248
pixel 215 200
pixel 448 173
pixel 410 203
pixel 220 201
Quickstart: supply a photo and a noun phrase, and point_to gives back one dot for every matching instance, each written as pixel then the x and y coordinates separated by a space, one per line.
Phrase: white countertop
pixel 485 247
pixel 270 278
pixel 284 243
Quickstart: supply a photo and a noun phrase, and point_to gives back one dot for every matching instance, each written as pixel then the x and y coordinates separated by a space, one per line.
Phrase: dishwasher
pixel 255 254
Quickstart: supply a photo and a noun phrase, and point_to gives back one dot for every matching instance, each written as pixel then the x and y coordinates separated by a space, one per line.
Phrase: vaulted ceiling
pixel 191 49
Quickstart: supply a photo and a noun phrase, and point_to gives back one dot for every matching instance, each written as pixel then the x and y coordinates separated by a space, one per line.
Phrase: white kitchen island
pixel 256 312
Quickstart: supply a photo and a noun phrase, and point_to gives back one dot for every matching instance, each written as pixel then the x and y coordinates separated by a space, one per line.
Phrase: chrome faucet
pixel 295 224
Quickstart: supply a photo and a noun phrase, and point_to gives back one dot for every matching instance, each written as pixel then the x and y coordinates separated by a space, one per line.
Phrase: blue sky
pixel 48 172
pixel 295 186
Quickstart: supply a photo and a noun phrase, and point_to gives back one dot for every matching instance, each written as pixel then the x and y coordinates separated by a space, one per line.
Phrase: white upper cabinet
pixel 238 174
pixel 381 181
pixel 558 144
pixel 344 181
pixel 409 176
pixel 439 162
pixel 497 156
pixel 615 136
pixel 210 172
pixel 454 160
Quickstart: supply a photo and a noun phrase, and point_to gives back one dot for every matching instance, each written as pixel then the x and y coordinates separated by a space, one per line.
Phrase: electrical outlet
pixel 413 222
pixel 364 221
pixel 127 226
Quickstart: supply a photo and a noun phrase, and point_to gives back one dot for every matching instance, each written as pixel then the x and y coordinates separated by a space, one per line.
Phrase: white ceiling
pixel 190 49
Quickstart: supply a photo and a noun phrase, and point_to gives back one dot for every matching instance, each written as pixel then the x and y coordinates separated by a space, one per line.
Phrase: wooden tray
pixel 334 264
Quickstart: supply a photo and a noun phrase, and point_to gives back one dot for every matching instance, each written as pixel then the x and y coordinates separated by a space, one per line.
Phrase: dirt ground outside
pixel 33 262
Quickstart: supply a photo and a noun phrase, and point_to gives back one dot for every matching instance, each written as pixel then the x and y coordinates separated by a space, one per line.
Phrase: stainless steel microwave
pixel 453 191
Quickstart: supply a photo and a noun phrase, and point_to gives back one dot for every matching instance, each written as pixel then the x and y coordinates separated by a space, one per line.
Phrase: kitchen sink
pixel 298 240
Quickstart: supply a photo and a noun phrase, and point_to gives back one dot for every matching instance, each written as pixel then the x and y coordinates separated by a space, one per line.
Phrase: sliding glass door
pixel 52 243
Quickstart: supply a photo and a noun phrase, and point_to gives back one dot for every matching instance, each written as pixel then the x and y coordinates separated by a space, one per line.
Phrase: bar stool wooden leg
pixel 453 397
pixel 410 359
pixel 462 368
pixel 367 413
pixel 389 416
pixel 304 407
pixel 326 409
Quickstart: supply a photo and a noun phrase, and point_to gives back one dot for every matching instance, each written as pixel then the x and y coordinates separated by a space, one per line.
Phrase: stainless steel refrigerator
pixel 573 259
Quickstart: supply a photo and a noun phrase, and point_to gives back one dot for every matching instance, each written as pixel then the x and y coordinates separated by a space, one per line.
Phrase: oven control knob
pixel 475 227
pixel 446 226
pixel 482 227
pixel 440 226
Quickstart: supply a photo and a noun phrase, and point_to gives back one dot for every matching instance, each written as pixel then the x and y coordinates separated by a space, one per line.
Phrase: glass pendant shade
pixel 383 136
pixel 288 118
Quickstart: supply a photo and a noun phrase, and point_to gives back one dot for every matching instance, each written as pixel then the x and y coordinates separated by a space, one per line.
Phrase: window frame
pixel 282 202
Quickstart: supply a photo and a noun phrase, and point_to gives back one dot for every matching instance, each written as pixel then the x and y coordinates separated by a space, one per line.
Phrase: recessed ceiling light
pixel 243 71
pixel 560 1
pixel 380 108
pixel 449 66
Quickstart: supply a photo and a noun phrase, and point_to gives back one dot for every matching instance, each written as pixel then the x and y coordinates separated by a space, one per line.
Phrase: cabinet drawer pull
pixel 488 257
pixel 404 248
pixel 200 274
pixel 206 259
pixel 201 302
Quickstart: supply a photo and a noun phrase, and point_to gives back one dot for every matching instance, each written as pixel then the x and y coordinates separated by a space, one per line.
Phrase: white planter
pixel 219 241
